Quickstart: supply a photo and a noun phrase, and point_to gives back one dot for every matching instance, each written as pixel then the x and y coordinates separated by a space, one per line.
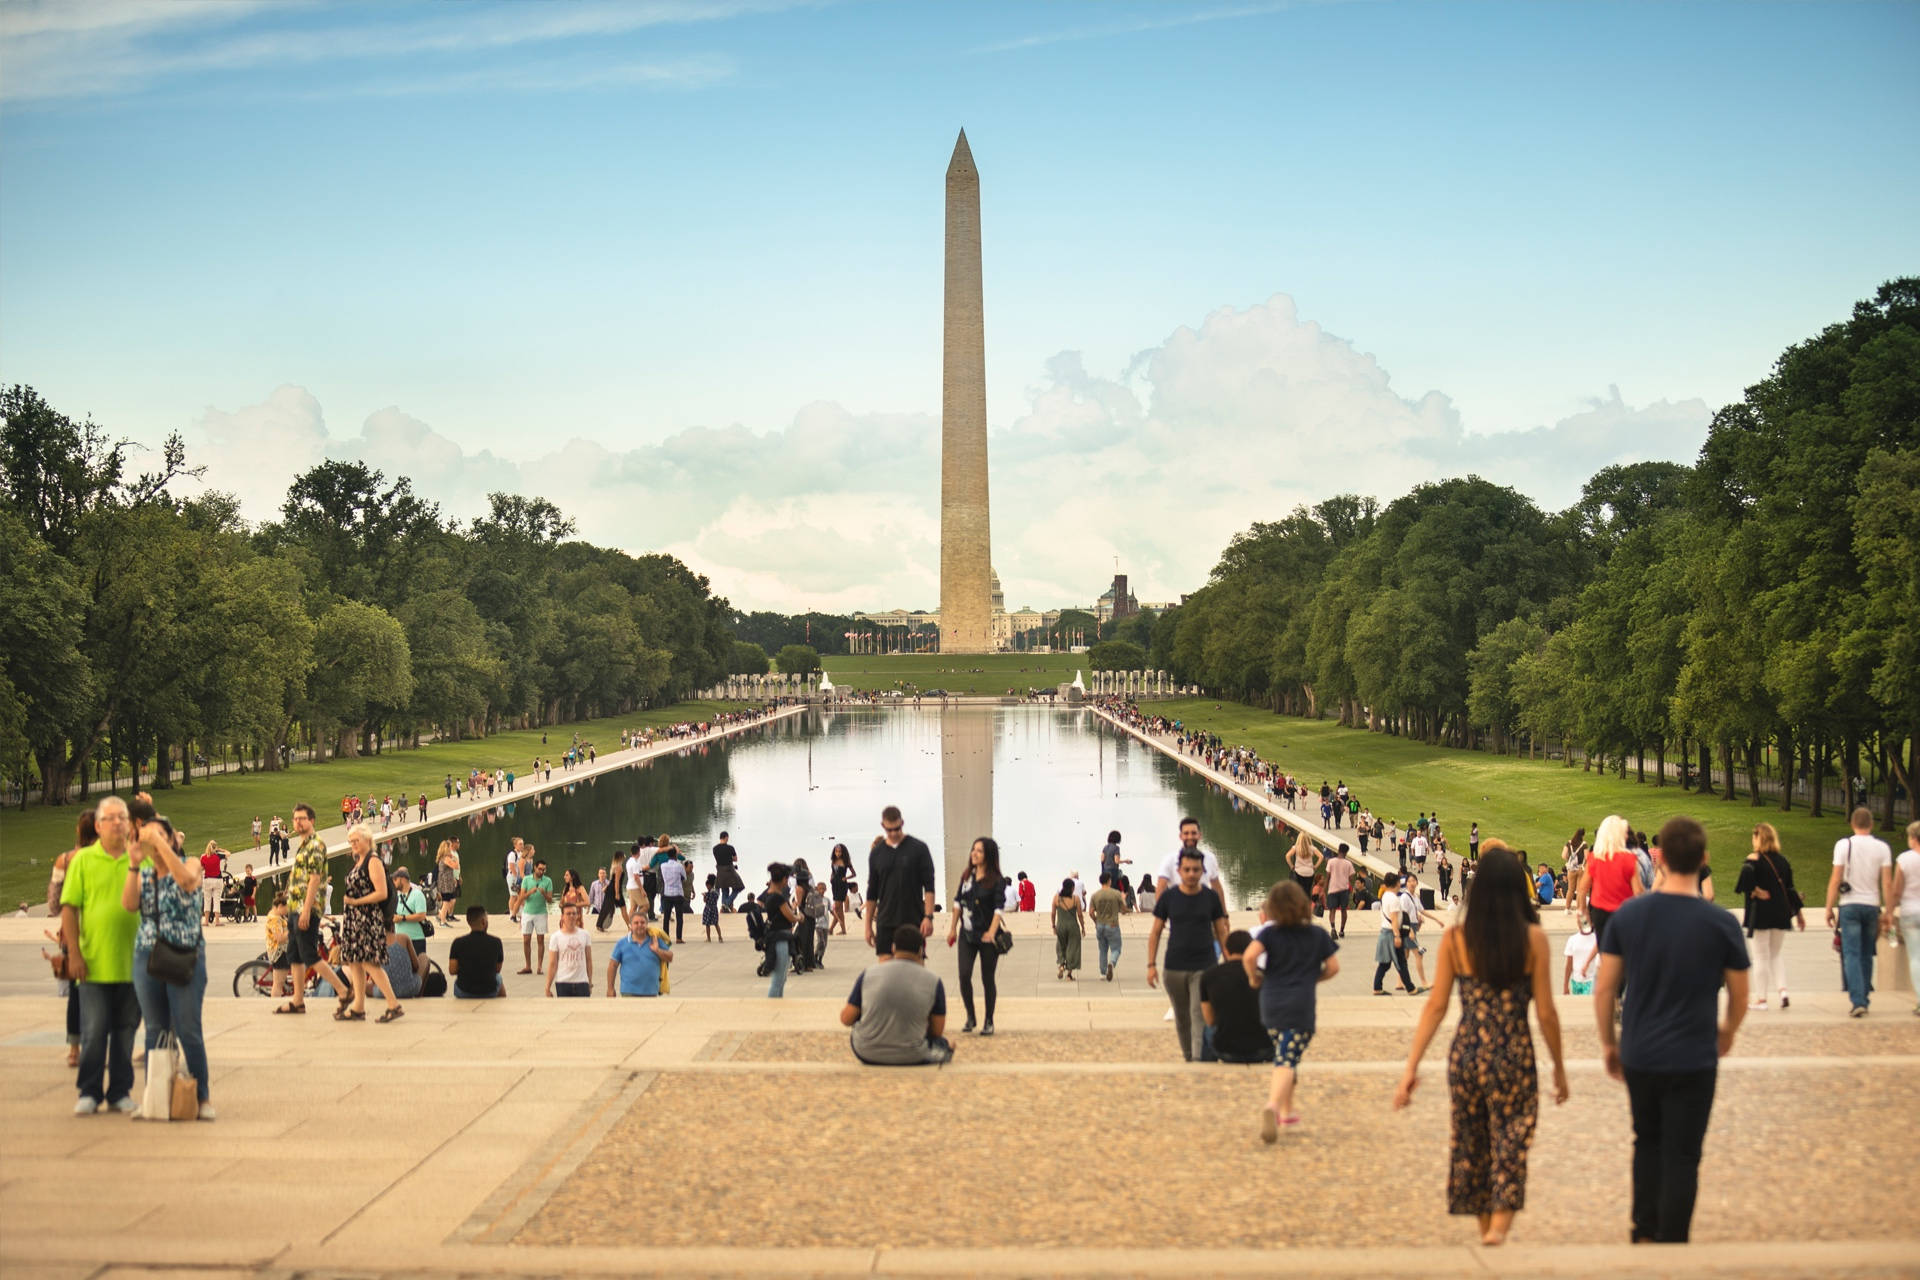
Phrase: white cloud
pixel 61 50
pixel 1238 419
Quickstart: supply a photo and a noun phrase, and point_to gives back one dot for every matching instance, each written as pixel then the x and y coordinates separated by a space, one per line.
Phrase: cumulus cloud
pixel 1157 465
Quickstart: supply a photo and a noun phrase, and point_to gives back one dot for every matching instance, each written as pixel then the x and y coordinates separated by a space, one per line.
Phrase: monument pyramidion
pixel 966 609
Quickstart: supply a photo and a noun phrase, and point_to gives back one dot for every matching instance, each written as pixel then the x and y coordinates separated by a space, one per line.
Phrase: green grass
pixel 981 673
pixel 223 807
pixel 1532 805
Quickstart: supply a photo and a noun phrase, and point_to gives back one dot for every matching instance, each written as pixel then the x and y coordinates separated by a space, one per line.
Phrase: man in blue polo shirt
pixel 638 959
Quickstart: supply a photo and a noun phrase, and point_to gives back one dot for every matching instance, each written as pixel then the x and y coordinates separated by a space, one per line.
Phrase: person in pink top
pixel 1339 889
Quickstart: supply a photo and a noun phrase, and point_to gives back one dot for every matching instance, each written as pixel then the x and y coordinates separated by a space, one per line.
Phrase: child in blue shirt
pixel 1287 960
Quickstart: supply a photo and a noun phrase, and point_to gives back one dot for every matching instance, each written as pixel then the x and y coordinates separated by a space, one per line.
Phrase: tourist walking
pixel 1859 904
pixel 639 959
pixel 710 910
pixel 536 896
pixel 1305 863
pixel 673 896
pixel 1906 900
pixel 976 924
pixel 363 933
pixel 1196 924
pixel 169 950
pixel 1390 948
pixel 726 865
pixel 1169 873
pixel 307 889
pixel 570 959
pixel 1773 907
pixel 1339 891
pixel 899 883
pixel 446 879
pixel 781 918
pixel 634 873
pixel 1612 876
pixel 1299 956
pixel 1069 926
pixel 1105 907
pixel 1498 955
pixel 1672 951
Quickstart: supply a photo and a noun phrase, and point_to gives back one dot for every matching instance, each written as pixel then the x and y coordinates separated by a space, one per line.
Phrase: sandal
pixel 390 1015
pixel 290 1007
pixel 343 1014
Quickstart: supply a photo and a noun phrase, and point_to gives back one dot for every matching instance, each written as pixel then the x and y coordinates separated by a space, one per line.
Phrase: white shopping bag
pixel 156 1100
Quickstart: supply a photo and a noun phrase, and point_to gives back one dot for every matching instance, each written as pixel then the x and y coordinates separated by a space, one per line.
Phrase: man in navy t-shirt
pixel 1672 950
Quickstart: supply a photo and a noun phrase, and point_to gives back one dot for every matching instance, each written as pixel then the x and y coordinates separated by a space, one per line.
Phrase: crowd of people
pixel 1651 948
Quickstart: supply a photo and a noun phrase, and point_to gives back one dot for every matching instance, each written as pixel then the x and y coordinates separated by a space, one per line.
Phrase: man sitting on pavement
pixel 475 959
pixel 1231 1009
pixel 897 1009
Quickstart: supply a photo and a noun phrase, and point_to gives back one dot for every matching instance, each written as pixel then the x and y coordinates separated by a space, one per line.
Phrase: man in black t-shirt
pixel 1195 921
pixel 899 884
pixel 475 959
pixel 1232 1010
pixel 1673 950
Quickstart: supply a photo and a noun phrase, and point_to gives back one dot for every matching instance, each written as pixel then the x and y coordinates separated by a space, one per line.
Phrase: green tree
pixel 1117 655
pixel 797 660
pixel 361 663
pixel 748 660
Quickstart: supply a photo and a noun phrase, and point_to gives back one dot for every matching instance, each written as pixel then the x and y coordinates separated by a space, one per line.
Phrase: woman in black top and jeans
pixel 976 922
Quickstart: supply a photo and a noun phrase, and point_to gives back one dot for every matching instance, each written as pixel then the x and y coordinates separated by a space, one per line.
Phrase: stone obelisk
pixel 966 610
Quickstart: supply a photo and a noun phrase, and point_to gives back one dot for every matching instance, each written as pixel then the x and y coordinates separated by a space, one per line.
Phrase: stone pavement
pixel 728 1135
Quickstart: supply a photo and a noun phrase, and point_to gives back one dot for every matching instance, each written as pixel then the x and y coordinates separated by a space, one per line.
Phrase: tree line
pixel 1753 618
pixel 138 625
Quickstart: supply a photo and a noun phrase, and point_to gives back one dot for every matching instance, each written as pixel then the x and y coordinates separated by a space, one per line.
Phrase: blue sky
pixel 677 265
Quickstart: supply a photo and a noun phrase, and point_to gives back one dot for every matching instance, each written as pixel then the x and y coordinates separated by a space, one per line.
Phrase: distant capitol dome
pixel 999 598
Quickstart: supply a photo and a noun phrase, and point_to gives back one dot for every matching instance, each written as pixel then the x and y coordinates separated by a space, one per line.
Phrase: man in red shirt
pixel 213 873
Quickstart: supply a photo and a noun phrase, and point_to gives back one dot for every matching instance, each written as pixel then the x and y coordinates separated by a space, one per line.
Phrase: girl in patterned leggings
pixel 1499 955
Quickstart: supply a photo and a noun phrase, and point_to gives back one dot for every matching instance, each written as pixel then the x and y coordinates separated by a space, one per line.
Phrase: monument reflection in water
pixel 1048 784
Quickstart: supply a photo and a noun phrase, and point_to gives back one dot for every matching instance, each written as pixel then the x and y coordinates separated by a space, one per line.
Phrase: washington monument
pixel 966 608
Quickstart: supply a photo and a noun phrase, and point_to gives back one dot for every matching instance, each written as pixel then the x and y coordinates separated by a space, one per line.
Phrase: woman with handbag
pixel 1766 880
pixel 363 941
pixel 169 952
pixel 976 924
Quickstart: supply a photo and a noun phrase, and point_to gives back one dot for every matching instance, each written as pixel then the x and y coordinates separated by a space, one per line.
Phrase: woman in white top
pixel 1906 898
pixel 570 957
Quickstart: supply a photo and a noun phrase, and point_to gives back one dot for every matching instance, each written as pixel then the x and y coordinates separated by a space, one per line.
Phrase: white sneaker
pixel 207 1111
pixel 85 1107
pixel 126 1106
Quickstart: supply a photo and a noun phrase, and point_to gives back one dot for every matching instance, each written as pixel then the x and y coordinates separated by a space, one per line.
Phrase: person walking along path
pixel 1196 923
pixel 1499 956
pixel 1672 951
pixel 1859 904
pixel 976 925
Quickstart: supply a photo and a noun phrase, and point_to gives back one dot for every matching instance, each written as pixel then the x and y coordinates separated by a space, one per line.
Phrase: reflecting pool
pixel 1047 783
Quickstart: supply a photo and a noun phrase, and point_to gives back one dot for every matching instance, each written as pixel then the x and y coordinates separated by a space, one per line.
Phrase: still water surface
pixel 1047 783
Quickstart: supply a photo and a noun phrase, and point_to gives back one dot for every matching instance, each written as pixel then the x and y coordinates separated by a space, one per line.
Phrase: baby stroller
pixel 233 907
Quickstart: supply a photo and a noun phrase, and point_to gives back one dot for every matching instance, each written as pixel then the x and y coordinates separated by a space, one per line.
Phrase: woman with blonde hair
pixel 363 935
pixel 1773 907
pixel 446 879
pixel 1612 875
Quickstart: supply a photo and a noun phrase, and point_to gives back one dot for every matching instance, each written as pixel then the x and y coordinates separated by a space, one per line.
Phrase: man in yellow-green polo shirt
pixel 97 933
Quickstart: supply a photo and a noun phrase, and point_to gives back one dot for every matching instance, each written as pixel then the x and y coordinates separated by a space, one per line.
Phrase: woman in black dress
pixel 363 935
pixel 840 875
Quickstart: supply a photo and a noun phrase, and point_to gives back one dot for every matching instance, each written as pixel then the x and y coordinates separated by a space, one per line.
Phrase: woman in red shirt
pixel 1612 875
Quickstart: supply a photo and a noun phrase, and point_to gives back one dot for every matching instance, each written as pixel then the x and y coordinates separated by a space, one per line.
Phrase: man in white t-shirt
pixel 673 898
pixel 1169 872
pixel 1857 893
pixel 636 884
pixel 570 957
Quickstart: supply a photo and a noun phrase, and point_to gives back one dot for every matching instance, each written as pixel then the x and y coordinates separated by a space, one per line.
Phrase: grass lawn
pixel 982 673
pixel 1532 805
pixel 223 807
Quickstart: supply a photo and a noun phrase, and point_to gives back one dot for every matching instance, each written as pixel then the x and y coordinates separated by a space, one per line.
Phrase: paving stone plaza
pixel 715 1132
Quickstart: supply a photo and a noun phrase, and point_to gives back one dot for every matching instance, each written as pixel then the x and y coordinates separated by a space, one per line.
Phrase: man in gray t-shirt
pixel 897 1009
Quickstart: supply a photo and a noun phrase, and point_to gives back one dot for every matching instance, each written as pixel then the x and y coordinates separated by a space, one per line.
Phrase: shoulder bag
pixel 1003 938
pixel 171 964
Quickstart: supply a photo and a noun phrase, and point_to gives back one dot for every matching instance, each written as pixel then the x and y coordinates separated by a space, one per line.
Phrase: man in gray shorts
pixel 1339 890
